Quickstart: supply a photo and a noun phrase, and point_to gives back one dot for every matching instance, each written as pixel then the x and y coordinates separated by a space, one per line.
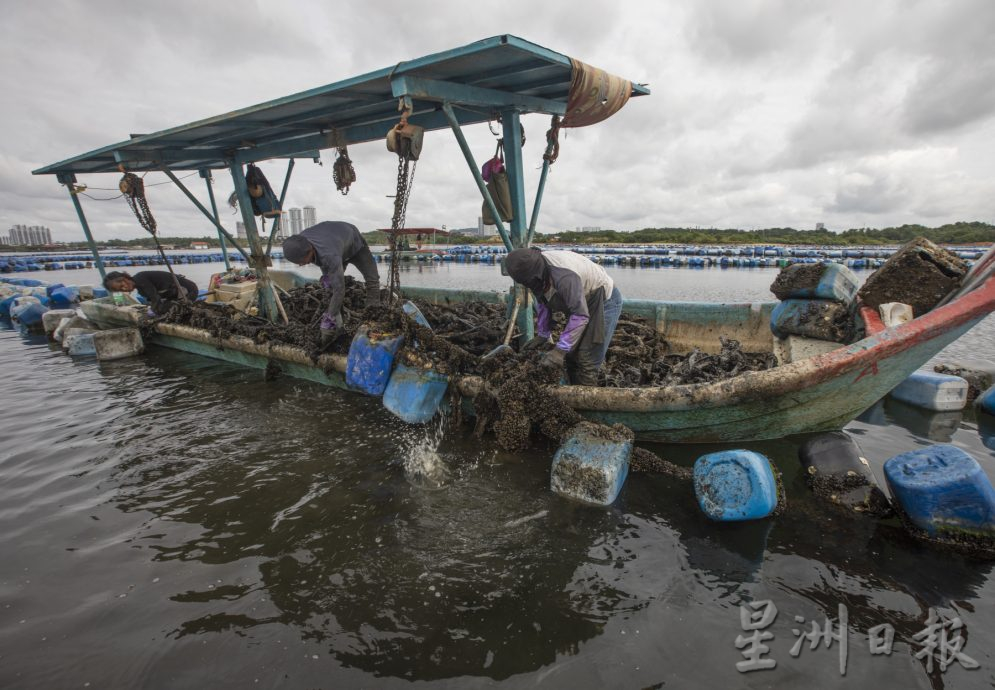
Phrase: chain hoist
pixel 133 189
pixel 405 140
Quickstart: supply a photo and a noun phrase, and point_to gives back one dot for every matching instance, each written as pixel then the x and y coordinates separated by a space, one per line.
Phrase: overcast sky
pixel 763 112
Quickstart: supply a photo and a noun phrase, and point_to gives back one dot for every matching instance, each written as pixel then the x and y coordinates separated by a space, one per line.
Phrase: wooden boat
pixel 817 393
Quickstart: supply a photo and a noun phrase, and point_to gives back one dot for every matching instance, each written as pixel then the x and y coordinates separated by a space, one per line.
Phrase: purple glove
pixel 328 322
pixel 325 282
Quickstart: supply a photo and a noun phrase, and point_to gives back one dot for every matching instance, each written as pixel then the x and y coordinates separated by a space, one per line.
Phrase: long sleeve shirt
pixel 158 286
pixel 335 243
pixel 573 281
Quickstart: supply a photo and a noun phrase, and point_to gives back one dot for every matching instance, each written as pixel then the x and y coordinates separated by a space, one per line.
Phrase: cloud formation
pixel 763 112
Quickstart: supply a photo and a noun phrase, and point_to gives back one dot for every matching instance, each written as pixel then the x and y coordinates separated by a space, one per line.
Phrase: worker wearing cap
pixel 332 245
pixel 566 282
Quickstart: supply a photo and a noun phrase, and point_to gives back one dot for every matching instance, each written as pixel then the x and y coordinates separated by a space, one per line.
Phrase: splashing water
pixel 423 465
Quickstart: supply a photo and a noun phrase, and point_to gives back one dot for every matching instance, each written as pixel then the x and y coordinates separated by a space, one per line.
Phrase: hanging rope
pixel 133 189
pixel 343 173
pixel 552 141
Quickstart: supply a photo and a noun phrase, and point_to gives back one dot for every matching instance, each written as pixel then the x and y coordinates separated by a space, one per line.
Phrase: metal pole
pixel 69 180
pixel 538 201
pixel 468 154
pixel 283 196
pixel 516 181
pixel 200 206
pixel 259 261
pixel 206 174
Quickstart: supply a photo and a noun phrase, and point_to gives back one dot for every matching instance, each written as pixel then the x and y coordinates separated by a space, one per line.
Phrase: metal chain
pixel 405 178
pixel 133 189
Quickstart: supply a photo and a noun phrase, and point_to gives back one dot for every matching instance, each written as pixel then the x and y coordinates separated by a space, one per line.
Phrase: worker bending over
pixel 157 287
pixel 332 245
pixel 566 282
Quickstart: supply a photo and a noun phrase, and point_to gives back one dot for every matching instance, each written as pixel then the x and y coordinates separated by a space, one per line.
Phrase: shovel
pixel 505 347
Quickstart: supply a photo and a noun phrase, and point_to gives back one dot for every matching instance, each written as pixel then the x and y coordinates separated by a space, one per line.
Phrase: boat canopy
pixel 479 79
pixel 498 78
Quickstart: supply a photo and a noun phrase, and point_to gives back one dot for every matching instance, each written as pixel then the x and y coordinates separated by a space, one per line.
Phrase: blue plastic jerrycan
pixel 943 491
pixel 735 485
pixel 415 394
pixel 591 465
pixel 370 360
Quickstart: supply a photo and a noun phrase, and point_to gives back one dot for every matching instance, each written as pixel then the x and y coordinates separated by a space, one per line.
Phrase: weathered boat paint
pixel 821 393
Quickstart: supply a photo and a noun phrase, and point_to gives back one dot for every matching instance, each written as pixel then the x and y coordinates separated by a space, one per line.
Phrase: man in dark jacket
pixel 566 282
pixel 157 287
pixel 332 245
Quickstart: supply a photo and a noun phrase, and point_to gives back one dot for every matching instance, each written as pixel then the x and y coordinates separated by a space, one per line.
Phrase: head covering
pixel 526 266
pixel 295 248
pixel 114 275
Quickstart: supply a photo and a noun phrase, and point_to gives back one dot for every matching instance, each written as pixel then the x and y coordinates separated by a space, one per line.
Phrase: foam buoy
pixel 939 392
pixel 414 393
pixel 370 360
pixel 592 463
pixel 943 491
pixel 735 485
pixel 836 470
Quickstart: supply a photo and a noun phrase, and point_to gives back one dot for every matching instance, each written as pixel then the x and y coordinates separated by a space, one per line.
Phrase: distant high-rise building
pixel 240 230
pixel 296 221
pixel 820 226
pixel 310 216
pixel 284 232
pixel 35 235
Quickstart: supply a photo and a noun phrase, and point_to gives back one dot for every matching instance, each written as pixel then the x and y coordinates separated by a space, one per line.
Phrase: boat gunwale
pixel 750 386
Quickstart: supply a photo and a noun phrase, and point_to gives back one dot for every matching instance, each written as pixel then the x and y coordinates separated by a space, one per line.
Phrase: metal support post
pixel 69 180
pixel 206 174
pixel 207 214
pixel 283 197
pixel 516 181
pixel 258 260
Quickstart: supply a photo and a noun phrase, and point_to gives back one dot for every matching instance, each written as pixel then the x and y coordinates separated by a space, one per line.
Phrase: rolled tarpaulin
pixel 594 95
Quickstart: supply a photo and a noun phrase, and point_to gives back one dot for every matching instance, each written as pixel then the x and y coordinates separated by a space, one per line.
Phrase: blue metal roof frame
pixel 519 73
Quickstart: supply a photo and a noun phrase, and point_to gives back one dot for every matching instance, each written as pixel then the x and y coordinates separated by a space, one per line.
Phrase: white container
pixel 52 319
pixel 80 344
pixel 933 391
pixel 895 313
pixel 118 343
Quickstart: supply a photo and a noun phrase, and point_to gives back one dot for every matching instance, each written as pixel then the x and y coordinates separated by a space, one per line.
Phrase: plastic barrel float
pixel 836 470
pixel 735 485
pixel 939 392
pixel 943 492
pixel 370 360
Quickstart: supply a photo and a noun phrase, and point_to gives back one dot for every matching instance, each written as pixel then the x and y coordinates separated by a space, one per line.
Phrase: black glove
pixel 553 360
pixel 537 343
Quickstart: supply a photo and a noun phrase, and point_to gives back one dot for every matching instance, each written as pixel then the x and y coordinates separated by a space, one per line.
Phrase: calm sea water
pixel 175 522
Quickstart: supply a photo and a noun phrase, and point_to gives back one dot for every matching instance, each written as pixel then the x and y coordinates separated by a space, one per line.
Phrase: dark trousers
pixel 363 260
pixel 584 362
